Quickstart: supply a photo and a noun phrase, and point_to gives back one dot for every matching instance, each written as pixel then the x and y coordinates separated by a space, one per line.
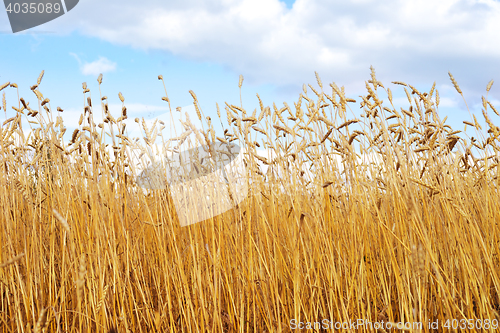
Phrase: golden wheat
pixel 391 202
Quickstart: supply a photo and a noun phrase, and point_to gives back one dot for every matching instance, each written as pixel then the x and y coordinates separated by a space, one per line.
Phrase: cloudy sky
pixel 276 45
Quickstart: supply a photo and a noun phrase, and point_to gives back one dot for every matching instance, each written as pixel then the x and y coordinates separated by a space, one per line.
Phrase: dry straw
pixel 62 220
pixel 42 321
pixel 343 182
pixel 12 260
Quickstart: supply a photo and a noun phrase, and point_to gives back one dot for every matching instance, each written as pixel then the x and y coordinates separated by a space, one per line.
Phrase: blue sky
pixel 277 46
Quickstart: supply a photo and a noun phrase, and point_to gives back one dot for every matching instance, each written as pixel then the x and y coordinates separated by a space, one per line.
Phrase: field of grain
pixel 412 238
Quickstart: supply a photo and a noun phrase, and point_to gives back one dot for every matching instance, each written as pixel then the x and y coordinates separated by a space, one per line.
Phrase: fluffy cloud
pixel 94 68
pixel 269 43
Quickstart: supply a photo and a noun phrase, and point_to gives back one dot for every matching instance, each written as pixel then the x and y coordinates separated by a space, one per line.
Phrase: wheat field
pixel 413 238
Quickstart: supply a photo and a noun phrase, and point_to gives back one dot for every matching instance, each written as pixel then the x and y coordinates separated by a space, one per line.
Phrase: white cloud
pixel 269 43
pixel 448 102
pixel 102 65
pixel 99 66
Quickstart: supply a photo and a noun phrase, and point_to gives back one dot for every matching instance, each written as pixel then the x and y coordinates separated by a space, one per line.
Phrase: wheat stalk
pixel 62 220
pixel 42 321
pixel 12 260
